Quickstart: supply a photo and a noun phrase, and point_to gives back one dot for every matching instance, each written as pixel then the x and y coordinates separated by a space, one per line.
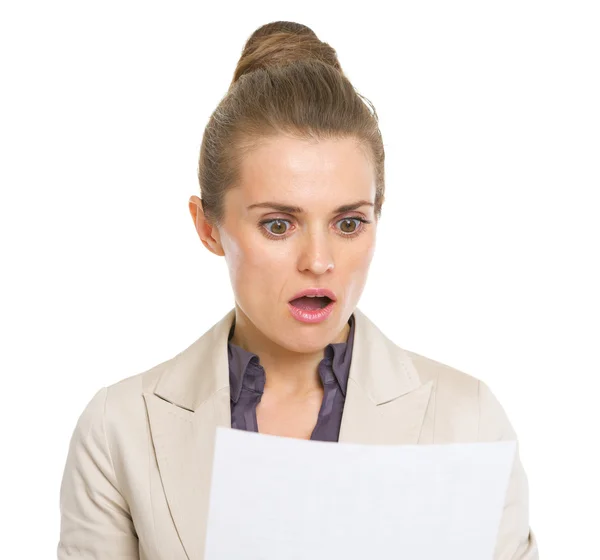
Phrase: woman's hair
pixel 287 81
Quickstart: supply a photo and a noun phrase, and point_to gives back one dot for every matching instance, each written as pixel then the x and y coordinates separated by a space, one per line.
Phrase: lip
pixel 311 315
pixel 315 292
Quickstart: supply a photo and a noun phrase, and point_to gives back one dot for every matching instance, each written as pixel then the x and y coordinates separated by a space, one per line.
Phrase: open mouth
pixel 308 303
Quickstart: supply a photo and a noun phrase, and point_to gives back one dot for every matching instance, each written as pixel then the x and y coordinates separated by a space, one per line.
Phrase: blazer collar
pixel 338 354
pixel 385 403
pixel 201 370
pixel 382 369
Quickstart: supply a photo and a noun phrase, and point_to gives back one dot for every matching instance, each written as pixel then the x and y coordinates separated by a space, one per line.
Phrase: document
pixel 276 498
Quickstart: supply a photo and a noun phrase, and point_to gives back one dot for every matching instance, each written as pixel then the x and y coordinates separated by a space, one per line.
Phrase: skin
pixel 313 248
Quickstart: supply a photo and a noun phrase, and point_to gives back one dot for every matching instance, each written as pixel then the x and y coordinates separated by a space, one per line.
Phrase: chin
pixel 307 338
pixel 303 346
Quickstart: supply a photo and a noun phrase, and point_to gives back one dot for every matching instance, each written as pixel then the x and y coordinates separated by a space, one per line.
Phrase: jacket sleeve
pixel 516 540
pixel 96 523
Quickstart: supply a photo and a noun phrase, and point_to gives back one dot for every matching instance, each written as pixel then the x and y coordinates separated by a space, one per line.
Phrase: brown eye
pixel 279 227
pixel 276 227
pixel 349 225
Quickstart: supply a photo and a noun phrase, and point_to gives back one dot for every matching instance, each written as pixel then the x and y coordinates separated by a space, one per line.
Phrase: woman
pixel 292 182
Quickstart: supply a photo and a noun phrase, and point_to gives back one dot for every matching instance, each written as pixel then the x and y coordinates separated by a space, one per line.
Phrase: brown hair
pixel 287 81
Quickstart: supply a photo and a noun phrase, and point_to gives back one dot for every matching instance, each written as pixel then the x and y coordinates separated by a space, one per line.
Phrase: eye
pixel 352 223
pixel 275 231
pixel 348 229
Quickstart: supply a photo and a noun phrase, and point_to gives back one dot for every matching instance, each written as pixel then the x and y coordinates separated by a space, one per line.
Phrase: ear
pixel 209 234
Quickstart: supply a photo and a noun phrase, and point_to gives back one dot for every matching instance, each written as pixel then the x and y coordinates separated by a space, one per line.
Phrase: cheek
pixel 357 264
pixel 254 263
pixel 360 254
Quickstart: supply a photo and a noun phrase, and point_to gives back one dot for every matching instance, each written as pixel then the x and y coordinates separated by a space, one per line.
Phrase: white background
pixel 487 255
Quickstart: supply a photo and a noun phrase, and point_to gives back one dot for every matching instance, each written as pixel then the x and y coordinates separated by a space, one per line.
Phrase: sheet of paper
pixel 275 498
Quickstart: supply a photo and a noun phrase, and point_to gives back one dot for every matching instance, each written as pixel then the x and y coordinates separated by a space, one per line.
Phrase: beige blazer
pixel 138 471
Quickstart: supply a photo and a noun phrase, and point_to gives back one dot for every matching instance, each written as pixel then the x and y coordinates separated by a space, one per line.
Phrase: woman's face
pixel 272 254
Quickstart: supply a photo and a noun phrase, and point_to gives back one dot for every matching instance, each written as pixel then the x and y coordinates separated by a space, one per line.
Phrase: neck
pixel 287 372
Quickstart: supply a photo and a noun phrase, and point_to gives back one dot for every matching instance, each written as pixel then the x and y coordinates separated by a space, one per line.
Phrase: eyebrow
pixel 297 210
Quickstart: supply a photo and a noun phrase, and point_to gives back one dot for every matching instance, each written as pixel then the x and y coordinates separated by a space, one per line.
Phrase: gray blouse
pixel 247 383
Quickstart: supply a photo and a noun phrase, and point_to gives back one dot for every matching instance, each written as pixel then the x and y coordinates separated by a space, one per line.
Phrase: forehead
pixel 318 172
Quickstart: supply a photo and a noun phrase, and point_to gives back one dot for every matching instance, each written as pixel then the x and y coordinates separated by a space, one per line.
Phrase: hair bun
pixel 283 42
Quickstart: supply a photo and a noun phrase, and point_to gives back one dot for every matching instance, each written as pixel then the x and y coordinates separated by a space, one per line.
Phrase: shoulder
pixel 132 388
pixel 446 378
pixel 459 397
pixel 118 410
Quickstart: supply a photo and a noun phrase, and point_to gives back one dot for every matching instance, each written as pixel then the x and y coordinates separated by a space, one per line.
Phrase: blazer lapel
pixel 385 399
pixel 385 404
pixel 189 401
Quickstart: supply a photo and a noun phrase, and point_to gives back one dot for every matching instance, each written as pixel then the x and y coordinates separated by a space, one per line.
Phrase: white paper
pixel 275 498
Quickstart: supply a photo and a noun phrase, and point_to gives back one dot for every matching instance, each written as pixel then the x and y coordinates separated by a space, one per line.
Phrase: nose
pixel 316 255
